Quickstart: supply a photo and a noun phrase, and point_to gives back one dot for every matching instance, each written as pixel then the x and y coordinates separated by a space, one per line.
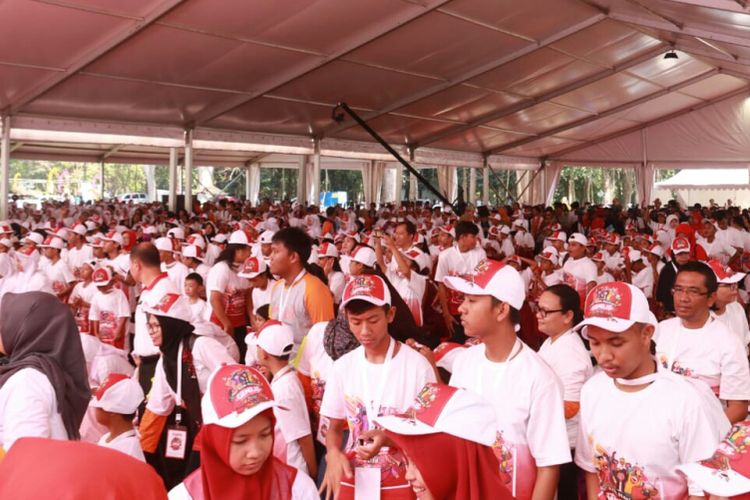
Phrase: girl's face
pixel 726 293
pixel 154 330
pixel 417 483
pixel 355 268
pixel 251 445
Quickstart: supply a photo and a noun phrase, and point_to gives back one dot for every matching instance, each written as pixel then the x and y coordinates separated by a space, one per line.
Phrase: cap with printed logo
pixel 193 251
pixel 416 255
pixel 118 394
pixel 101 276
pixel 164 244
pixel 613 239
pixel 656 249
pixel 448 228
pixel 266 237
pixel 446 353
pixel 680 245
pixel 727 472
pixel 177 233
pixel 367 287
pixel 615 307
pixel 33 237
pixel 578 238
pixel 559 236
pixel 53 242
pixel 443 408
pixel 196 240
pixel 96 243
pixel 236 394
pixel 598 257
pixel 354 235
pixel 550 254
pixel 240 238
pixel 252 267
pixel 113 236
pixel 276 338
pixel 494 278
pixel 364 255
pixel 170 305
pixel 327 249
pixel 724 275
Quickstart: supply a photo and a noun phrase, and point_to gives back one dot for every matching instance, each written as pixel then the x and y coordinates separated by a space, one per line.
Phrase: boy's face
pixel 479 316
pixel 192 289
pixel 371 326
pixel 102 417
pixel 50 253
pixel 257 321
pixel 106 288
pixel 619 354
pixel 86 272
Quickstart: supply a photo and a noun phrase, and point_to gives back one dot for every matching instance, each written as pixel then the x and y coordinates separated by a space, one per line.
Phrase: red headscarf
pixel 216 480
pixel 453 467
pixel 132 236
pixel 697 252
pixel 36 467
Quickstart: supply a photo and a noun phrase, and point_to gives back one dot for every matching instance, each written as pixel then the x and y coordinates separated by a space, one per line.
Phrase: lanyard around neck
pixel 372 404
pixel 284 296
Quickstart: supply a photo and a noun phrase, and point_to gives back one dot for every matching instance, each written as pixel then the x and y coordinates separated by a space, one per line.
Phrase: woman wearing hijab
pixel 447 439
pixel 172 418
pixel 44 388
pixel 36 467
pixel 28 277
pixel 237 444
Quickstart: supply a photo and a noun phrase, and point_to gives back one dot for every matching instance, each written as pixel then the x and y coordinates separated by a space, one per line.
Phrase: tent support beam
pixel 485 68
pixel 172 179
pixel 4 167
pixel 559 154
pixel 188 185
pixel 612 111
pixel 528 103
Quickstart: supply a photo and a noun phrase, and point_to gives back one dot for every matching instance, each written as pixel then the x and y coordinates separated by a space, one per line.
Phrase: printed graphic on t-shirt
pixel 676 366
pixel 58 286
pixel 733 447
pixel 504 453
pixel 107 327
pixel 235 302
pixel 621 480
pixel 455 298
pixel 574 282
pixel 82 319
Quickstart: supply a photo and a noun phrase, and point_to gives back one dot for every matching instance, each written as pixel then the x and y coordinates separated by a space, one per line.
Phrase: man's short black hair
pixel 709 278
pixel 146 254
pixel 195 277
pixel 295 240
pixel 410 227
pixel 361 306
pixel 466 227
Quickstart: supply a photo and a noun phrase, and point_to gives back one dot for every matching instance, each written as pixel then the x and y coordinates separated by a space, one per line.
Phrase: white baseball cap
pixel 171 305
pixel 578 238
pixel 504 230
pixel 448 228
pixel 655 249
pixel 239 238
pixel 235 395
pixel 53 242
pixel 96 243
pixel 80 229
pixel 252 267
pixel 5 227
pixel 416 255
pixel 164 244
pixel 193 251
pixel 118 394
pixel 494 278
pixel 727 472
pixel 101 276
pixel 177 233
pixel 680 245
pixel 33 237
pixel 615 307
pixel 443 408
pixel 558 235
pixel 266 237
pixel 197 240
pixel 364 255
pixel 550 254
pixel 113 236
pixel 276 338
pixel 368 287
pixel 327 249
pixel 220 238
pixel 634 256
pixel 90 225
pixel 724 275
pixel 6 243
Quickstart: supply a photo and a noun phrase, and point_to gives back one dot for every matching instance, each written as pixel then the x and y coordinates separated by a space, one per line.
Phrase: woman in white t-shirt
pixel 44 388
pixel 328 256
pixel 726 308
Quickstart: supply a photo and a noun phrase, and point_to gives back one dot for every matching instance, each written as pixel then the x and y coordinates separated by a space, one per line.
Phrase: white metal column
pixel 413 192
pixel 4 167
pixel 189 171
pixel 473 185
pixel 172 179
pixel 398 184
pixel 486 185
pixel 302 180
pixel 315 184
pixel 248 182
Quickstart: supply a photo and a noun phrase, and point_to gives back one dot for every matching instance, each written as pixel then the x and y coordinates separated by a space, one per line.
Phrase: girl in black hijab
pixel 38 332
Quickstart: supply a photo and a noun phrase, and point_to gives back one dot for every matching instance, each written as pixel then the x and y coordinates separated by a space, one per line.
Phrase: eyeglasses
pixel 543 313
pixel 693 293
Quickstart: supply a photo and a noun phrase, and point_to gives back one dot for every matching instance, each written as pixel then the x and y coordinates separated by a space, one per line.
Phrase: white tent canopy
pixel 692 186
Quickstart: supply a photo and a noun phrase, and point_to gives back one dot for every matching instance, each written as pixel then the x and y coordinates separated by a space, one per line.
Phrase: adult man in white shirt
pixel 579 271
pixel 527 395
pixel 697 345
pixel 637 422
pixel 715 247
pixel 80 252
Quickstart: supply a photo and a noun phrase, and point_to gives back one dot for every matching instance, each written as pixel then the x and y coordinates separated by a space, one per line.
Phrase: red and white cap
pixel 97 243
pixel 276 338
pixel 171 305
pixel 113 236
pixel 193 251
pixel 598 257
pixel 354 235
pixel 118 394
pixel 53 242
pixel 164 244
pixel 416 255
pixel 615 307
pixel 252 267
pixel 80 229
pixel 6 243
pixel 33 237
pixel 727 472
pixel 724 275
pixel 240 238
pixel 494 278
pixel 550 254
pixel 443 408
pixel 680 245
pixel 197 240
pixel 656 249
pixel 266 237
pixel 558 235
pixel 368 287
pixel 446 353
pixel 612 239
pixel 364 255
pixel 177 233
pixel 60 232
pixel 448 228
pixel 578 238
pixel 327 249
pixel 235 395
pixel 101 276
pixel 5 227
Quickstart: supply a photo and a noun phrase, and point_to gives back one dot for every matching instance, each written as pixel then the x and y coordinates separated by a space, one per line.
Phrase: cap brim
pixel 405 426
pixel 610 324
pixel 234 419
pixel 250 276
pixel 366 298
pixel 725 483
pixel 735 278
pixel 464 286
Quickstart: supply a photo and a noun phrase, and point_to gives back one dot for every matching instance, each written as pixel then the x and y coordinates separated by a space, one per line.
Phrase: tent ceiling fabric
pixel 464 78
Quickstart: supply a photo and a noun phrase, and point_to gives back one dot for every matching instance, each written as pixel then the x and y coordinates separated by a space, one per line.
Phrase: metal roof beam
pixel 533 101
pixel 92 55
pixel 282 78
pixel 485 68
pixel 579 147
pixel 114 149
pixel 617 109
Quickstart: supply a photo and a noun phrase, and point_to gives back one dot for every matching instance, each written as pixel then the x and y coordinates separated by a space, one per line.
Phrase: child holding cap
pixel 293 443
pixel 637 422
pixel 236 444
pixel 109 311
pixel 116 401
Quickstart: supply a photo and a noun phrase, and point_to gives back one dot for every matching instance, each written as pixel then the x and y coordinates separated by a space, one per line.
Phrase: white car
pixel 133 197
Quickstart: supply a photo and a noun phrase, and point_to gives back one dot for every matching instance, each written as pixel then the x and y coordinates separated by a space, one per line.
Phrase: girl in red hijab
pixel 447 439
pixel 236 444
pixel 696 251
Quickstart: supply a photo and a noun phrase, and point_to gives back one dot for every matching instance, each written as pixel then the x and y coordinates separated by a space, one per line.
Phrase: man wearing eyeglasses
pixel 697 345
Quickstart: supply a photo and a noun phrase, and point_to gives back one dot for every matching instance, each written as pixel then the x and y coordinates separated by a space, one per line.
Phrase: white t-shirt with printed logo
pixel 578 273
pixel 292 423
pixel 633 441
pixel 317 364
pixel 735 319
pixel 59 275
pixel 528 401
pixel 411 290
pixel 571 362
pixel 712 354
pixel 644 279
pixel 453 262
pixel 223 279
pixel 107 309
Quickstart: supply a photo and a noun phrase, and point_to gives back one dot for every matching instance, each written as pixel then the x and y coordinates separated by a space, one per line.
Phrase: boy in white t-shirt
pixel 381 377
pixel 293 443
pixel 697 345
pixel 193 291
pixel 116 401
pixel 638 422
pixel 527 395
pixel 109 310
pixel 579 271
pixel 57 269
pixel 82 295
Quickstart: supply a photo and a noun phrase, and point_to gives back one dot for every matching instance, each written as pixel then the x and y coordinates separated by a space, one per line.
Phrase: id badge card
pixel 176 442
pixel 367 483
